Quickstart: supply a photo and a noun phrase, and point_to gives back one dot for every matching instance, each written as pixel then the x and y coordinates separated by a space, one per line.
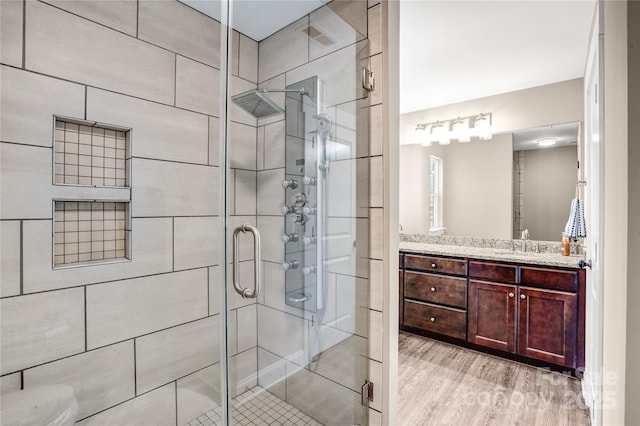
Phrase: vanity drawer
pixel 437 319
pixel 552 279
pixel 493 271
pixel 438 265
pixel 433 288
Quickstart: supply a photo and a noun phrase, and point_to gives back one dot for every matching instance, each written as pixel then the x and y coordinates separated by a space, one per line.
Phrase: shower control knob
pixel 308 210
pixel 299 199
pixel 291 264
pixel 308 240
pixel 289 183
pixel 290 238
pixel 287 210
pixel 309 180
pixel 309 269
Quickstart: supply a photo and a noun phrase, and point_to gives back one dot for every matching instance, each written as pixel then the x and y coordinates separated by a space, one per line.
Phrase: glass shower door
pixel 297 217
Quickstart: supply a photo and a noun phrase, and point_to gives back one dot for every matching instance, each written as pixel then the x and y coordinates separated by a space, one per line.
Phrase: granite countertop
pixel 484 253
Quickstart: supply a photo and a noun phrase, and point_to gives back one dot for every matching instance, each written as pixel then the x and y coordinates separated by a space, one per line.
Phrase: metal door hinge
pixel 366 395
pixel 368 80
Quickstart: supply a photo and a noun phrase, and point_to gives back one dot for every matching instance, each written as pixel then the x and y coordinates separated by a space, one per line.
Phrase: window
pixel 435 192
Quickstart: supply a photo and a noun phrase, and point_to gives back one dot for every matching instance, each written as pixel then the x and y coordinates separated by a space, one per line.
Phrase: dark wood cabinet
pixel 547 325
pixel 492 315
pixel 530 311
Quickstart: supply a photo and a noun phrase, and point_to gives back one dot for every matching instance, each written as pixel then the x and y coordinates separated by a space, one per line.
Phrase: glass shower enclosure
pixel 185 212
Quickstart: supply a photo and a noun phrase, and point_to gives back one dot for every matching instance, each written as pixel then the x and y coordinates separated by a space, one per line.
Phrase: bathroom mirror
pixel 491 189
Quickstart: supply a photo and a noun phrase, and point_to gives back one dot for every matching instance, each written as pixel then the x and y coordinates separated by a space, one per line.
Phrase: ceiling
pixel 453 51
pixel 259 19
pixel 566 135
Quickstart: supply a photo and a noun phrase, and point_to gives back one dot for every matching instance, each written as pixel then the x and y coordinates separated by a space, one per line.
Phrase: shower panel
pixel 304 205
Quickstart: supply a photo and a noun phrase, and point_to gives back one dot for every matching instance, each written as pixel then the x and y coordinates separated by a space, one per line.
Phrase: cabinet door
pixel 492 315
pixel 547 327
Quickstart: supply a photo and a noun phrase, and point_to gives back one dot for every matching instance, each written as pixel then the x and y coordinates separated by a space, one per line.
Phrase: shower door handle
pixel 257 271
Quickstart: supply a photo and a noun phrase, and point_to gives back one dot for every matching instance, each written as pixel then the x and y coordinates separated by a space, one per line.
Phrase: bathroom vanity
pixel 521 305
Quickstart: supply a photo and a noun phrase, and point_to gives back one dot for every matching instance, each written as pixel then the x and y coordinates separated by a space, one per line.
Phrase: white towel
pixel 575 227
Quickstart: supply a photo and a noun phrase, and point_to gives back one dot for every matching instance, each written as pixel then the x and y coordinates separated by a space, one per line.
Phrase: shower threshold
pixel 257 406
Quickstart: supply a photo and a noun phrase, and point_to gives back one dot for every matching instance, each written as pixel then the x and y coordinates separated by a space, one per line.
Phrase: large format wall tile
pixel 272 373
pixel 280 333
pixel 162 188
pixel 170 354
pixel 123 309
pixel 158 131
pixel 328 32
pixel 245 192
pixel 274 145
pixel 197 86
pixel 272 230
pixel 25 182
pixel 293 41
pixel 150 254
pixel 157 408
pixel 100 56
pixel 100 378
pixel 242 146
pixel 243 372
pixel 198 393
pixel 11 32
pixel 340 71
pixel 322 399
pixel 248 59
pixel 196 242
pixel 270 192
pixel 10 260
pixel 27 122
pixel 40 328
pixel 120 15
pixel 247 327
pixel 10 383
pixel 181 29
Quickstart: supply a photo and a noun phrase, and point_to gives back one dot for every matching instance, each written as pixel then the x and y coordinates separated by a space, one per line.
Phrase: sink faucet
pixel 523 240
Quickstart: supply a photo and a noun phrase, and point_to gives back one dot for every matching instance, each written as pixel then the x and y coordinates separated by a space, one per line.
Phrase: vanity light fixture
pixel 546 142
pixel 421 136
pixel 482 126
pixel 461 129
pixel 440 134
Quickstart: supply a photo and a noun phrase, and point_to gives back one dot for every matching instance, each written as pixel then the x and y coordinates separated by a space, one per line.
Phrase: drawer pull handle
pixel 433 319
pixel 523 296
pixel 433 265
pixel 433 289
pixel 511 295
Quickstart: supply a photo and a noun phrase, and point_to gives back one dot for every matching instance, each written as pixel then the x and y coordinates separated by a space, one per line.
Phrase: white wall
pixel 549 187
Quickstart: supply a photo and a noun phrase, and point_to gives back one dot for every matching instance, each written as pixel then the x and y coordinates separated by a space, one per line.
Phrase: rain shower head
pixel 257 103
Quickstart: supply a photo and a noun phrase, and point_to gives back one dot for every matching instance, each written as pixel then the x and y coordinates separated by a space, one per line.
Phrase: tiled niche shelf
pixel 92 193
pixel 90 232
pixel 91 154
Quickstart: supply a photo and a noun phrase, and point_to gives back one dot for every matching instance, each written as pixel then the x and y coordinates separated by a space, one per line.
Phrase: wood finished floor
pixel 442 384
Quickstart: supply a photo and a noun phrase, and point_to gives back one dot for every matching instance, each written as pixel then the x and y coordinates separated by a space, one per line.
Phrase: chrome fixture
pixel 309 180
pixel 461 129
pixel 257 103
pixel 290 238
pixel 308 270
pixel 290 264
pixel 299 199
pixel 257 271
pixel 308 239
pixel 523 240
pixel 297 218
pixel 287 210
pixel 309 210
pixel 289 183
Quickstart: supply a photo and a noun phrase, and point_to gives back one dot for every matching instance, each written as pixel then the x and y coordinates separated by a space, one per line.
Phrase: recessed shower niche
pixel 91 164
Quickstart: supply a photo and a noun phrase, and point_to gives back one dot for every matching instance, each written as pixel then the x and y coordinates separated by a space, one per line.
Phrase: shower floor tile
pixel 257 406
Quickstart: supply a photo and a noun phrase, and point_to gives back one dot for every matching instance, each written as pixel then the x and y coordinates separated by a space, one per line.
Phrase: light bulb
pixel 461 131
pixel 482 127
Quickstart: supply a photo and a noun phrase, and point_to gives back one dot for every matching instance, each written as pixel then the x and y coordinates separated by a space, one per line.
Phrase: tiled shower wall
pixel 287 57
pixel 137 339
